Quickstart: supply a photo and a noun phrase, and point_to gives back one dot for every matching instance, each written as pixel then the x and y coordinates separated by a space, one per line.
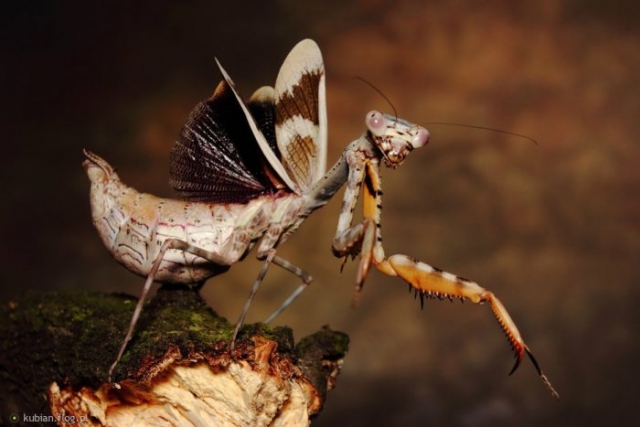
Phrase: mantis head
pixel 394 137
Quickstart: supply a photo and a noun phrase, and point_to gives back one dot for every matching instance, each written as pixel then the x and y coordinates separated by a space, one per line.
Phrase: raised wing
pixel 261 105
pixel 217 158
pixel 301 114
pixel 268 153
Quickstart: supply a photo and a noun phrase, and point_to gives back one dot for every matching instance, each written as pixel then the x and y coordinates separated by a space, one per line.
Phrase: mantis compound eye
pixel 420 138
pixel 376 123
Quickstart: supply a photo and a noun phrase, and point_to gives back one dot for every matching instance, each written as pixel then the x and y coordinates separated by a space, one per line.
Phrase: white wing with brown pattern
pixel 301 114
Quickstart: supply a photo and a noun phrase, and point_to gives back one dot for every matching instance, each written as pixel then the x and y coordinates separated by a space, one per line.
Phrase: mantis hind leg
pixel 271 254
pixel 168 244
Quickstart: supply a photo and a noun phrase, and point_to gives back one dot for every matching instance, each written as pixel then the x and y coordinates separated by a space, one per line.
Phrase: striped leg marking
pixel 427 281
pixel 432 282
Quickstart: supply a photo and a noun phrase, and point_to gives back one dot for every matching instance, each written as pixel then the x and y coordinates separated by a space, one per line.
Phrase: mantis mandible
pixel 248 174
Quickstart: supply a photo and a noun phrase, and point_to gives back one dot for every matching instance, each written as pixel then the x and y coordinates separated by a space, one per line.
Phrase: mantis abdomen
pixel 134 226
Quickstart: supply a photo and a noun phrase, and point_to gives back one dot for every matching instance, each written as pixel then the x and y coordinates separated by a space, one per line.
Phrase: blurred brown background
pixel 553 229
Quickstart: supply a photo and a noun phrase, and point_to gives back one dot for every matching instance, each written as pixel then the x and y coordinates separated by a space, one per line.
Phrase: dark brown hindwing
pixel 216 158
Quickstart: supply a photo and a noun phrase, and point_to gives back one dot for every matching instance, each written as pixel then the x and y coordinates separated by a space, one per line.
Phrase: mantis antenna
pixel 395 113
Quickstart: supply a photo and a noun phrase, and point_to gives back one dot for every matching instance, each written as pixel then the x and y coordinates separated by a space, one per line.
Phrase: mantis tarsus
pixel 248 174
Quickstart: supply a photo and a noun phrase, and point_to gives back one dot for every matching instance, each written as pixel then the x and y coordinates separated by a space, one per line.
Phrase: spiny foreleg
pixel 432 282
pixel 348 240
pixel 426 280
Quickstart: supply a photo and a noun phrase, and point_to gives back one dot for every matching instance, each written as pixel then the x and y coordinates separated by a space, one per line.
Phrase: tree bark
pixel 177 370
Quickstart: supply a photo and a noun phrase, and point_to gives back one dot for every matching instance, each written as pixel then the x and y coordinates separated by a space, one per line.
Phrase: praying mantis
pixel 247 175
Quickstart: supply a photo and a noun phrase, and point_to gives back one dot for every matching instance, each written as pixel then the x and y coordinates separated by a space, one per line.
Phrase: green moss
pixel 331 344
pixel 318 354
pixel 280 334
pixel 42 335
pixel 73 337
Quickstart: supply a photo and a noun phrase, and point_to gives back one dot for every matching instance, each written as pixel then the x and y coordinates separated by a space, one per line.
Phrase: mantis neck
pixel 323 190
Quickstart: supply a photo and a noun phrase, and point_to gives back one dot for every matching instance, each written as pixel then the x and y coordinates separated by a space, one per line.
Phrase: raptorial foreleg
pixel 427 281
pixel 348 240
pixel 432 282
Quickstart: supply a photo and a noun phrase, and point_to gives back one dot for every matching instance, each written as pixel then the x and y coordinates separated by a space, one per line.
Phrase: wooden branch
pixel 177 369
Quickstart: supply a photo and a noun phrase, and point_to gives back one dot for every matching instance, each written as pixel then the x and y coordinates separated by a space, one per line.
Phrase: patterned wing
pixel 217 158
pixel 261 105
pixel 262 109
pixel 301 114
pixel 269 155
